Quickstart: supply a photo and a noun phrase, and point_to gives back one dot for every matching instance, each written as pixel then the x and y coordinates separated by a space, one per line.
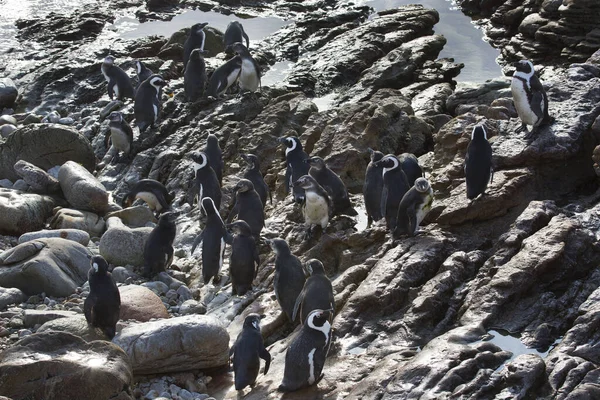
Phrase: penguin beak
pixel 370 150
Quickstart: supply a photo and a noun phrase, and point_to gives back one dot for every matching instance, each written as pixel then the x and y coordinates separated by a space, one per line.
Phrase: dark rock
pixel 8 93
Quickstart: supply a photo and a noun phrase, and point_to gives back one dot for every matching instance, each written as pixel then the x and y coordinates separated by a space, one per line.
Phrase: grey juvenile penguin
pixel 414 206
pixel 247 352
pixel 121 134
pixel 253 174
pixel 195 40
pixel 317 292
pixel 248 207
pixel 317 207
pixel 103 305
pixel 289 277
pixel 333 184
pixel 244 261
pixel 410 165
pixel 194 78
pixel 215 156
pixel 119 83
pixel 158 251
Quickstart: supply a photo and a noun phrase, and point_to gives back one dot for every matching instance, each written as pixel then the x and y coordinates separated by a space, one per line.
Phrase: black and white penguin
pixel 152 192
pixel 244 261
pixel 235 33
pixel 478 163
pixel 147 102
pixel 121 134
pixel 529 97
pixel 317 207
pixel 215 156
pixel 414 206
pixel 395 186
pixel 253 174
pixel 195 40
pixel 306 354
pixel 295 165
pixel 142 71
pixel 410 165
pixel 119 83
pixel 333 184
pixel 213 239
pixel 248 207
pixel 158 250
pixel 224 77
pixel 206 183
pixel 289 277
pixel 103 305
pixel 373 187
pixel 194 77
pixel 247 351
pixel 249 79
pixel 317 292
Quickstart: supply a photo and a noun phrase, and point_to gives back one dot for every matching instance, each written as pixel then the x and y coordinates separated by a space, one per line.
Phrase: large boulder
pixel 10 296
pixel 121 245
pixel 68 218
pixel 38 179
pixel 75 235
pixel 51 265
pixel 141 304
pixel 156 347
pixel 76 325
pixel 44 145
pixel 81 189
pixel 58 365
pixel 8 93
pixel 23 212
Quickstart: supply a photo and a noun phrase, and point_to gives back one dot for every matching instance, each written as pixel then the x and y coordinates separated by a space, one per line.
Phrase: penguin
pixel 306 354
pixel 147 102
pixel 317 207
pixel 152 192
pixel 213 239
pixel 235 33
pixel 205 183
pixel 478 163
pixel 215 156
pixel 531 101
pixel 395 186
pixel 249 79
pixel 119 83
pixel 158 250
pixel 103 305
pixel 224 77
pixel 373 187
pixel 121 134
pixel 195 40
pixel 142 71
pixel 253 174
pixel 289 277
pixel 410 165
pixel 333 184
pixel 414 206
pixel 247 351
pixel 248 207
pixel 316 294
pixel 295 165
pixel 194 78
pixel 244 260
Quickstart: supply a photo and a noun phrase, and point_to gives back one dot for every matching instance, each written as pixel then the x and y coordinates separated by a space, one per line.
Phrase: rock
pixel 173 49
pixel 122 274
pixel 157 287
pixel 140 304
pixel 76 325
pixel 75 235
pixel 192 307
pixel 7 129
pixel 121 245
pixel 184 293
pixel 32 119
pixel 82 190
pixel 6 184
pixel 32 318
pixel 8 93
pixel 38 179
pixel 44 145
pixel 10 296
pixel 23 212
pixel 54 266
pixel 21 185
pixel 52 117
pixel 134 217
pixel 155 347
pixel 8 120
pixel 67 218
pixel 58 365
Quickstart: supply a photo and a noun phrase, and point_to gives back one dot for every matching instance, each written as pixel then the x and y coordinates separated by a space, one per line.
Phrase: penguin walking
pixel 224 77
pixel 194 77
pixel 373 187
pixel 205 183
pixel 414 206
pixel 213 239
pixel 103 305
pixel 317 207
pixel 119 83
pixel 306 354
pixel 531 101
pixel 410 165
pixel 253 174
pixel 249 79
pixel 295 166
pixel 215 156
pixel 247 351
pixel 195 40
pixel 333 184
pixel 152 192
pixel 289 277
pixel 244 260
pixel 235 33
pixel 142 71
pixel 158 250
pixel 478 163
pixel 121 134
pixel 248 207
pixel 147 102
pixel 316 294
pixel 395 186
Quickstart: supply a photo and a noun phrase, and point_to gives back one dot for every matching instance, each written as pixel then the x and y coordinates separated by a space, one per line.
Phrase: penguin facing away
pixel 194 77
pixel 395 186
pixel 248 207
pixel 479 170
pixel 333 184
pixel 247 351
pixel 249 78
pixel 195 40
pixel 253 174
pixel 317 292
pixel 244 260
pixel 121 134
pixel 213 239
pixel 410 165
pixel 215 156
pixel 317 208
pixel 152 192
pixel 224 77
pixel 414 206
pixel 143 72
pixel 373 187
pixel 103 305
pixel 205 182
pixel 295 166
pixel 147 103
pixel 235 33
pixel 158 250
pixel 119 83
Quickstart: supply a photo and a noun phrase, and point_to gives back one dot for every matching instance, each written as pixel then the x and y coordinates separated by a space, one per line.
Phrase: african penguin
pixel 195 40
pixel 248 207
pixel 295 165
pixel 414 206
pixel 317 292
pixel 373 187
pixel 306 354
pixel 478 163
pixel 147 102
pixel 119 83
pixel 247 352
pixel 103 305
pixel 158 250
pixel 215 156
pixel 395 185
pixel 152 192
pixel 121 134
pixel 142 71
pixel 213 239
pixel 317 207
pixel 244 261
pixel 235 33
pixel 224 77
pixel 253 174
pixel 205 183
pixel 249 79
pixel 194 77
pixel 410 165
pixel 333 184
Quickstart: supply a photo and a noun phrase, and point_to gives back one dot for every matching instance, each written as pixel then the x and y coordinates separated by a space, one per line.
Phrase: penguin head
pixel 479 132
pixel 115 116
pixel 99 264
pixel 237 48
pixel 197 54
pixel 291 142
pixel 279 246
pixel 316 162
pixel 314 267
pixel 109 60
pixel 157 81
pixel 388 162
pixel 212 140
pixel 243 185
pixel 422 185
pixel 375 155
pixel 524 68
pixel 319 320
pixel 199 160
pixel 139 67
pixel 240 227
pixel 305 182
pixel 198 29
pixel 252 321
pixel 167 218
pixel 251 160
pixel 208 205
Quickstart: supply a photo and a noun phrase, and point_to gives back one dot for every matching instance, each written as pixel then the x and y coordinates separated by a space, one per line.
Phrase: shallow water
pixel 513 344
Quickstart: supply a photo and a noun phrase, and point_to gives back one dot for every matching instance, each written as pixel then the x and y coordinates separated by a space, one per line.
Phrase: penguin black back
pixel 410 166
pixel 413 208
pixel 247 351
pixel 244 261
pixel 119 83
pixel 152 192
pixel 395 186
pixel 295 165
pixel 195 40
pixel 373 187
pixel 316 294
pixel 235 33
pixel 253 174
pixel 478 163
pixel 194 77
pixel 248 207
pixel 158 251
pixel 289 277
pixel 213 238
pixel 333 184
pixel 215 156
pixel 143 72
pixel 102 306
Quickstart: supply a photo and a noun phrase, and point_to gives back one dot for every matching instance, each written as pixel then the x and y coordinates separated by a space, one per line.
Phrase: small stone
pixel 185 395
pixel 7 129
pixel 32 119
pixel 52 117
pixel 66 121
pixel 157 287
pixel 21 185
pixel 8 119
pixel 24 332
pixel 184 293
pixel 6 183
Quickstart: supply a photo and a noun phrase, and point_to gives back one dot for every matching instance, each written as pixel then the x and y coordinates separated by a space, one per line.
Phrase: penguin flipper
pixel 247 39
pixel 288 178
pixel 265 355
pixel 299 301
pixel 412 221
pixel 197 242
pixel 191 194
pixel 111 92
pixel 234 211
pixel 384 194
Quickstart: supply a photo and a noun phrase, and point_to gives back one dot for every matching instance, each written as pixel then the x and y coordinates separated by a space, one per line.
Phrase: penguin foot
pixel 522 128
pixel 529 136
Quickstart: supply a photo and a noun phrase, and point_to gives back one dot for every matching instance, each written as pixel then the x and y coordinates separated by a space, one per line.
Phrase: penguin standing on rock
pixel 244 261
pixel 215 156
pixel 147 102
pixel 152 192
pixel 103 305
pixel 249 79
pixel 414 206
pixel 317 207
pixel 213 239
pixel 142 71
pixel 333 184
pixel 373 187
pixel 119 83
pixel 317 292
pixel 194 78
pixel 195 40
pixel 205 183
pixel 248 207
pixel 224 77
pixel 295 165
pixel 121 134
pixel 478 163
pixel 247 351
pixel 395 186
pixel 235 33
pixel 253 174
pixel 158 250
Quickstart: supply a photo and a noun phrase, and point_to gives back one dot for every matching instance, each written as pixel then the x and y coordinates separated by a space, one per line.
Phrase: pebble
pixel 21 185
pixel 8 119
pixel 6 183
pixel 7 129
pixel 24 332
pixel 66 121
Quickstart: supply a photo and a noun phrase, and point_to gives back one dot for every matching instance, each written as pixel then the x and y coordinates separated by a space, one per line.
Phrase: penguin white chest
pixel 249 79
pixel 424 208
pixel 150 199
pixel 120 140
pixel 521 101
pixel 231 78
pixel 316 210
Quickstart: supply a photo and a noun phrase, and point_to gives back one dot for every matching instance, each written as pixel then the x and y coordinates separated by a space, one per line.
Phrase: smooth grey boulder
pixel 156 347
pixel 134 217
pixel 7 119
pixel 75 325
pixel 121 245
pixel 8 93
pixel 38 179
pixel 35 317
pixel 52 265
pixel 7 129
pixel 75 235
pixel 81 189
pixel 10 296
pixel 68 218
pixel 23 212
